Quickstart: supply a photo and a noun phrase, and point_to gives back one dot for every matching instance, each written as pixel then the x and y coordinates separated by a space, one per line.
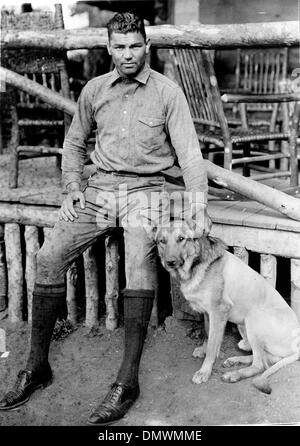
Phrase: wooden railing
pixel 244 226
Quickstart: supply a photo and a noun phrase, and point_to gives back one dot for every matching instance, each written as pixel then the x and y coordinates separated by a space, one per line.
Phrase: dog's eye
pixel 180 239
pixel 162 241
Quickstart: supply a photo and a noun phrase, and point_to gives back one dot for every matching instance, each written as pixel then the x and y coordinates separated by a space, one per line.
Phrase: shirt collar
pixel 141 77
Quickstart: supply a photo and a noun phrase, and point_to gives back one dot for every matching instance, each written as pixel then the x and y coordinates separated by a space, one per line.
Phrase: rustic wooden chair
pixel 37 129
pixel 239 145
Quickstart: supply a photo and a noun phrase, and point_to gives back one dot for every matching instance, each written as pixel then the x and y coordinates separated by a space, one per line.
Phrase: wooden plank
pixel 250 214
pixel 222 212
pixel 278 243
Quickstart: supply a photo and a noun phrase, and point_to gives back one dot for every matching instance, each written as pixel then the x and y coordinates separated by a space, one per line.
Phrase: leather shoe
pixel 115 405
pixel 27 382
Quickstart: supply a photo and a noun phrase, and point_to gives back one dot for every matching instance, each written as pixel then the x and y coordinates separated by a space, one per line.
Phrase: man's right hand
pixel 67 211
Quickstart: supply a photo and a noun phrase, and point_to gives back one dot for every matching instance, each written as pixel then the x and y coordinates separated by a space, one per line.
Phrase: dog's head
pixel 181 247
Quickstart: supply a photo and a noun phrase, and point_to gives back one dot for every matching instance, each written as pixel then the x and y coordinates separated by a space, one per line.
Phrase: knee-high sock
pixel 137 312
pixel 47 304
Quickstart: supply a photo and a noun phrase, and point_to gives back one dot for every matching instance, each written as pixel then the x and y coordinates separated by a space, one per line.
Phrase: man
pixel 142 119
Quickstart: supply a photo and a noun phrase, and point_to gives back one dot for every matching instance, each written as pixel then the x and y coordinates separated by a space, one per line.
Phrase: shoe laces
pixel 114 394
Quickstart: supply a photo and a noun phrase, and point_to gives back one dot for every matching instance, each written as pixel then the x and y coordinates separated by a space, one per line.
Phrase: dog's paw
pixel 244 345
pixel 201 376
pixel 230 362
pixel 231 377
pixel 199 352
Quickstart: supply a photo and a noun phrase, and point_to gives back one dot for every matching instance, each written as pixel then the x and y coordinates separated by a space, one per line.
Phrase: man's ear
pixel 108 48
pixel 148 45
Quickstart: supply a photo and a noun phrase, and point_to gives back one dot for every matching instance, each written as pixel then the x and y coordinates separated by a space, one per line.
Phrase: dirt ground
pixel 84 364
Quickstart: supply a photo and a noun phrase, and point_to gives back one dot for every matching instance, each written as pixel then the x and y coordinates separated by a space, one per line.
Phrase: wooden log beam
pixel 272 198
pixel 163 36
pixel 36 89
pixel 28 215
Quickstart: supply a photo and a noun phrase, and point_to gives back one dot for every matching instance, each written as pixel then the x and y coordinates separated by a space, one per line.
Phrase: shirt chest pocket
pixel 150 132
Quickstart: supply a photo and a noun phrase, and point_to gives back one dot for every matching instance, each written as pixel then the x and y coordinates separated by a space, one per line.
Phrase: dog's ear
pixel 153 231
pixel 192 225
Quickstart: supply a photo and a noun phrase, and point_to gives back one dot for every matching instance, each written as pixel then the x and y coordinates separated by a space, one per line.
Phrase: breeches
pixel 133 203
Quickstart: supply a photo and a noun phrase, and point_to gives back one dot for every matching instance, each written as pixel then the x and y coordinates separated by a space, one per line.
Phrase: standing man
pixel 143 122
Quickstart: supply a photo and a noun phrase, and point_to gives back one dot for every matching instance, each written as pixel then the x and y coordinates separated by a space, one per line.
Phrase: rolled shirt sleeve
pixel 184 139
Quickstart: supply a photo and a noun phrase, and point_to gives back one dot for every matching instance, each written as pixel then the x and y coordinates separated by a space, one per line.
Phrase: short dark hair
pixel 126 22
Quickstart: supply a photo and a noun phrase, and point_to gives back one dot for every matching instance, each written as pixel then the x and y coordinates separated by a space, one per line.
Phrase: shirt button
pixel 126 95
pixel 123 130
pixel 124 112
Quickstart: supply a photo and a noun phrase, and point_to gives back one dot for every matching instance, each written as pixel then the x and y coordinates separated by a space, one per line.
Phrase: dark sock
pixel 47 304
pixel 137 312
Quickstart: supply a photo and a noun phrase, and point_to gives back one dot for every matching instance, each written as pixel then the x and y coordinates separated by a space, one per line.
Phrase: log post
pixel 12 237
pixel 91 287
pixel 3 272
pixel 72 279
pixel 241 253
pixel 268 264
pixel 32 247
pixel 295 286
pixel 112 281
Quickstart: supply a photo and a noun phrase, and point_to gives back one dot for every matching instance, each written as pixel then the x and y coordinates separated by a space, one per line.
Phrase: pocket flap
pixel 151 122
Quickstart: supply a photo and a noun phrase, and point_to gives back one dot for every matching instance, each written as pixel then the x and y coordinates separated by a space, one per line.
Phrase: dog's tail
pixel 261 382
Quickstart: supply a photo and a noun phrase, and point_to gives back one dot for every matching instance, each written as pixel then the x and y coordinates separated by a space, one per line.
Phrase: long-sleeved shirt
pixel 142 124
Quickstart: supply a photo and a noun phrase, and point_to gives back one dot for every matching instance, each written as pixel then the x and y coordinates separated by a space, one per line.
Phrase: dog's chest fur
pixel 204 288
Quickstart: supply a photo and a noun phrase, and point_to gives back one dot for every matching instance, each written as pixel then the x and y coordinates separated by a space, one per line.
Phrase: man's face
pixel 128 52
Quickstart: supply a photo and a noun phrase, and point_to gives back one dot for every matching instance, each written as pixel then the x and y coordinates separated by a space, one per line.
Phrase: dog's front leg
pixel 200 351
pixel 217 324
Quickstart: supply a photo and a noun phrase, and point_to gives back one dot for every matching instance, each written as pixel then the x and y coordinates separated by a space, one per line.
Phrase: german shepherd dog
pixel 224 288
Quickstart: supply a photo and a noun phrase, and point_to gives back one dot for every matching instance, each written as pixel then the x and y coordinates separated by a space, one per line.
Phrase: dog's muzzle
pixel 173 262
